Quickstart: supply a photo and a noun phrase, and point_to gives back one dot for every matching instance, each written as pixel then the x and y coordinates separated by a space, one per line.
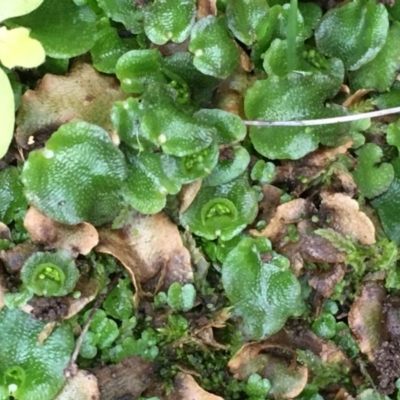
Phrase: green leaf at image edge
pixel 35 368
pixel 388 205
pixel 355 32
pixel 69 32
pixel 7 111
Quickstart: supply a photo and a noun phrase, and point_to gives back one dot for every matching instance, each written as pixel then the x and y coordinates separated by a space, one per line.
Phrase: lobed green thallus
pixel 30 370
pixel 171 132
pixel 168 140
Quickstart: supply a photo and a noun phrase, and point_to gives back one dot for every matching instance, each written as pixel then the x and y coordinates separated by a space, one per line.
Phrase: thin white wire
pixel 326 121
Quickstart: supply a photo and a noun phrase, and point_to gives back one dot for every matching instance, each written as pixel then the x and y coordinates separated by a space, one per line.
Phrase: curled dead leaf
pixel 344 182
pixel 15 258
pixel 269 203
pixel 356 97
pixel 287 213
pixel 73 239
pixel 324 282
pixel 346 217
pixel 187 195
pixel 366 319
pixel 317 249
pixel 287 341
pixel 46 332
pixel 149 246
pixel 244 60
pixel 82 386
pixel 83 94
pixel 185 387
pixel 288 379
pixel 88 289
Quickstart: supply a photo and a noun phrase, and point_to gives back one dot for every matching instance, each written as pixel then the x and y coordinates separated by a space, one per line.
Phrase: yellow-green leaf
pixel 7 113
pixel 17 49
pixel 15 8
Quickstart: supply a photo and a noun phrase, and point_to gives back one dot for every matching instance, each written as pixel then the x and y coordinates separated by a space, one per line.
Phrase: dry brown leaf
pixel 356 97
pixel 344 89
pixel 342 394
pixel 303 339
pixel 84 94
pixel 185 388
pixel 287 380
pixel 15 258
pixel 187 195
pixel 82 386
pixel 46 332
pixel 74 239
pixel 205 338
pixel 366 319
pixel 4 232
pixel 317 249
pixel 346 217
pixel 323 156
pixel 324 282
pixel 299 173
pixel 344 182
pixel 206 7
pixel 131 377
pixel 269 203
pixel 147 246
pixel 88 287
pixel 244 62
pixel 203 334
pixel 286 214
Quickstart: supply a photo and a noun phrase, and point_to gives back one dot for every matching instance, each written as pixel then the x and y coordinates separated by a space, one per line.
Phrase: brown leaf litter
pixel 83 94
pixel 185 388
pixel 366 319
pixel 82 386
pixel 274 361
pixel 346 217
pixel 324 282
pixel 15 258
pixel 73 239
pixel 275 358
pixel 298 174
pixel 131 377
pixel 308 246
pixel 151 249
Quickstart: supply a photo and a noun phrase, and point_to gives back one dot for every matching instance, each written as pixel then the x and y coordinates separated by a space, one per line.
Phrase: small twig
pixel 326 121
pixel 71 369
